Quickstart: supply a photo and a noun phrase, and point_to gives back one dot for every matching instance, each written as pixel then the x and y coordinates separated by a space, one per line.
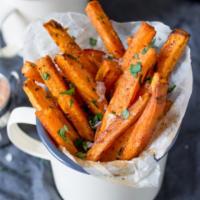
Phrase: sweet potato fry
pixel 41 100
pixel 105 29
pixel 67 44
pixel 37 95
pixel 84 82
pixel 145 126
pixel 115 151
pixel 64 96
pixel 96 56
pixel 171 52
pixel 116 128
pixel 127 88
pixel 59 130
pixel 108 73
pixel 30 72
pixel 140 40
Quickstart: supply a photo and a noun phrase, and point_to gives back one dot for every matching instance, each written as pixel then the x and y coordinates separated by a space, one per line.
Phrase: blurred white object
pixel 4 91
pixel 15 15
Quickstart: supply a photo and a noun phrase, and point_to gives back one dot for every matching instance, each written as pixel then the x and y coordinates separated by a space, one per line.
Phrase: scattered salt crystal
pixel 8 157
pixel 186 147
pixel 101 90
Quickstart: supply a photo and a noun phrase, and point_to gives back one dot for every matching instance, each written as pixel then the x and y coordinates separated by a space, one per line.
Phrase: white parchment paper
pixel 143 171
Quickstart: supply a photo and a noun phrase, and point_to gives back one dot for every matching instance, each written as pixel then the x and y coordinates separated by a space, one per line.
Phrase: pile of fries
pixel 103 106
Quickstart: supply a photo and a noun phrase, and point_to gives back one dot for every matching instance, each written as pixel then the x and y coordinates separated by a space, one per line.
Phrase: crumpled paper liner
pixel 143 171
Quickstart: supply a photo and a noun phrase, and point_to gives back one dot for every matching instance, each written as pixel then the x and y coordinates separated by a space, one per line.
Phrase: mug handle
pixel 22 140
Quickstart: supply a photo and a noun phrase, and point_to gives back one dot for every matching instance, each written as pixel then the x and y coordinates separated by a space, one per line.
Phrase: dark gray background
pixel 29 178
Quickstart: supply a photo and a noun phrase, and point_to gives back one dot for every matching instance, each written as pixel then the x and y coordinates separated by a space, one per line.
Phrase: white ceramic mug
pixel 71 184
pixel 15 15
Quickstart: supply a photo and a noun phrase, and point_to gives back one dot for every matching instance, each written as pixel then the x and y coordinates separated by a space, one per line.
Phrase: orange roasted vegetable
pixel 105 29
pixel 58 128
pixel 128 86
pixel 116 129
pixel 109 72
pixel 64 96
pixel 96 56
pixel 139 43
pixel 143 130
pixel 30 72
pixel 83 81
pixel 171 52
pixel 67 45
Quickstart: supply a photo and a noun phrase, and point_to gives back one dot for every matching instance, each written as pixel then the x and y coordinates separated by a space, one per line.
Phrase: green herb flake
pixel 81 155
pixel 144 51
pixel 152 44
pixel 45 76
pixel 71 102
pixel 85 145
pixel 125 114
pixel 136 56
pixel 70 91
pixel 62 132
pixel 94 120
pixel 135 68
pixel 171 88
pixel 93 41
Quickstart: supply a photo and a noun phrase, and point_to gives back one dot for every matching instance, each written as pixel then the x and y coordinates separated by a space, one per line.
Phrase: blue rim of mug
pixel 54 150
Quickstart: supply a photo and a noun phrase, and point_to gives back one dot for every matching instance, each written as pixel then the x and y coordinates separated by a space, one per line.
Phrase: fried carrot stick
pixel 108 73
pixel 64 96
pixel 105 29
pixel 67 45
pixel 37 95
pixel 128 86
pixel 171 52
pixel 115 129
pixel 83 81
pixel 59 130
pixel 41 100
pixel 145 126
pixel 30 72
pixel 139 42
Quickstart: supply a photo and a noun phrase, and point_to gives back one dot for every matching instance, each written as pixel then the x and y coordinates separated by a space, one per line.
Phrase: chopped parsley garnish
pixel 62 132
pixel 144 51
pixel 70 91
pixel 135 68
pixel 81 155
pixel 45 76
pixel 94 120
pixel 136 56
pixel 171 88
pixel 152 44
pixel 93 41
pixel 125 114
pixel 71 102
pixel 82 145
